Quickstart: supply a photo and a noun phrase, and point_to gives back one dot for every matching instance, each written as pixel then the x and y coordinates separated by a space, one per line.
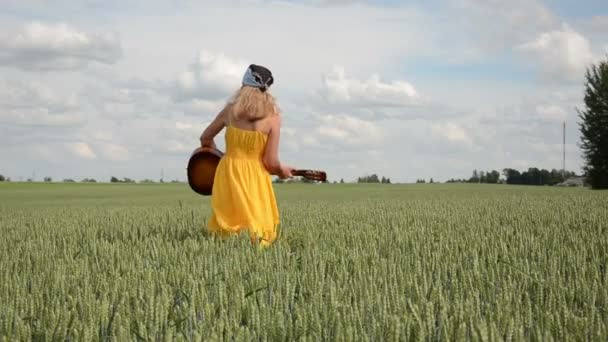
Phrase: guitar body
pixel 201 169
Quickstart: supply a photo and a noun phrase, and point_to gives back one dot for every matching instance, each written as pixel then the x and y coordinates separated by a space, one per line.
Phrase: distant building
pixel 573 181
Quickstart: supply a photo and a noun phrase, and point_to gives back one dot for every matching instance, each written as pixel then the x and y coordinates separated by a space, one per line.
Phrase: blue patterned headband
pixel 258 76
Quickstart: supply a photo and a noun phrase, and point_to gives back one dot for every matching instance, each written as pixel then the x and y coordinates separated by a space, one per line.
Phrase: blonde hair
pixel 252 104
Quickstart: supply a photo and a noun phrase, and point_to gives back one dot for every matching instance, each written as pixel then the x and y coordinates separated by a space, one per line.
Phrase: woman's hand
pixel 285 172
pixel 207 143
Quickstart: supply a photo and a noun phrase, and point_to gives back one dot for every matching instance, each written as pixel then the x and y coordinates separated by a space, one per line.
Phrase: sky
pixel 405 90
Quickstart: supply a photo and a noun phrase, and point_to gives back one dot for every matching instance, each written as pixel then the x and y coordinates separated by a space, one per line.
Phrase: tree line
pixel 374 179
pixel 534 176
pixel 93 180
pixel 486 177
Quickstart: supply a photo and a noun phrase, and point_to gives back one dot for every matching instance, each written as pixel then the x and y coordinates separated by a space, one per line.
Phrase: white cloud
pixel 189 129
pixel 114 152
pixel 290 139
pixel 330 2
pixel 530 115
pixel 334 132
pixel 47 46
pixel 82 150
pixel 338 88
pixel 599 23
pixel 497 25
pixel 452 132
pixel 176 146
pixel 562 53
pixel 44 152
pixel 210 77
pixel 25 103
pixel 288 131
pixel 39 117
pixel 551 112
pixel 103 135
pixel 372 98
pixel 310 140
pixel 345 129
pixel 203 109
pixel 183 126
pixel 33 95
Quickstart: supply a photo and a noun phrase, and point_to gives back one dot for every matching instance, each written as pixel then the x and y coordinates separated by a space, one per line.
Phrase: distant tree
pixel 557 176
pixel 388 181
pixel 48 179
pixel 369 179
pixel 420 181
pixel 594 126
pixel 114 180
pixel 147 181
pixel 89 180
pixel 342 180
pixel 512 176
pixel 493 177
pixel 68 180
pixel 29 180
pixel 431 181
pixel 475 177
pixel 2 179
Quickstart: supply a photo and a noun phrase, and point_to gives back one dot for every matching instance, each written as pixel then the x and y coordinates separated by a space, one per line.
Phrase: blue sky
pixel 398 88
pixel 569 9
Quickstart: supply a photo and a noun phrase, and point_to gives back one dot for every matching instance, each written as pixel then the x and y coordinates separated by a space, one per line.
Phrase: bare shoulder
pixel 225 113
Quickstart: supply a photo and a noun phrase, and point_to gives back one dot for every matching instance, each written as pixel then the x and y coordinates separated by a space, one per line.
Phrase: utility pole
pixel 564 152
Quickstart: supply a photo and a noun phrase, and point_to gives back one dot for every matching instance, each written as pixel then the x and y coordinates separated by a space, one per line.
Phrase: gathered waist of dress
pixel 243 155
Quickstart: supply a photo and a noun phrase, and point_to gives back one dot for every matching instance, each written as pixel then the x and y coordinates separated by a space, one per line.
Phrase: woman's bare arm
pixel 271 154
pixel 213 129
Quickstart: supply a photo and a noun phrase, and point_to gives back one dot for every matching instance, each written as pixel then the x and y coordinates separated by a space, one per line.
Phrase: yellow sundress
pixel 242 196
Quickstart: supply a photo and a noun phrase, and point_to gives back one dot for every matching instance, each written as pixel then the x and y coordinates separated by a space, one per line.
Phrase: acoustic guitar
pixel 203 163
pixel 201 169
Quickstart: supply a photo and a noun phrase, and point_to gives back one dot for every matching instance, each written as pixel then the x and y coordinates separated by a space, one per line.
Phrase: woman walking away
pixel 242 196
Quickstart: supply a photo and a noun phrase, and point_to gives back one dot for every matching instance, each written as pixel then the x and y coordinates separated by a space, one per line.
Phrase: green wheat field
pixel 354 262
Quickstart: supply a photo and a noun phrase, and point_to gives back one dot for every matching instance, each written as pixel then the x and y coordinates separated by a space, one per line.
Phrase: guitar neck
pixel 311 174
